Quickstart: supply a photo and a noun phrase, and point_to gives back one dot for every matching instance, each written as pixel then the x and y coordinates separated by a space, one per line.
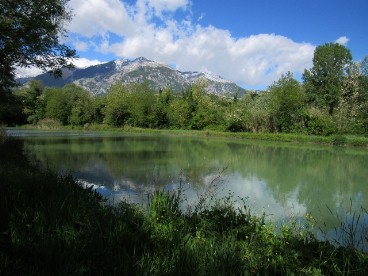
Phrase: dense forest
pixel 331 99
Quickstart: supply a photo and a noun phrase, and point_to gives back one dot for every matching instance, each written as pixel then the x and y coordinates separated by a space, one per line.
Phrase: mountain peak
pixel 141 59
pixel 98 78
pixel 119 63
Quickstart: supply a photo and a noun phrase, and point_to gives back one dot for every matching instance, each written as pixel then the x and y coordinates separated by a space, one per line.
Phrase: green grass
pixel 51 225
pixel 336 140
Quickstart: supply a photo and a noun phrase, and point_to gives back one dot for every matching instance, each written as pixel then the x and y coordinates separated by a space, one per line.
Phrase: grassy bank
pixel 337 140
pixel 50 225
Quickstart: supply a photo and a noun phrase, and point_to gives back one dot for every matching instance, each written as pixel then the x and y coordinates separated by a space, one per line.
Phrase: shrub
pixel 319 122
pixel 48 123
pixel 339 140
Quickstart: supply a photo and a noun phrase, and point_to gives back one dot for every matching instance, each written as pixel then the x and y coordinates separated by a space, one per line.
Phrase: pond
pixel 285 181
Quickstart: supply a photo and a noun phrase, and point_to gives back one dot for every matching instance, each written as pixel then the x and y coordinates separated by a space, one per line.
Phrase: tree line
pixel 333 98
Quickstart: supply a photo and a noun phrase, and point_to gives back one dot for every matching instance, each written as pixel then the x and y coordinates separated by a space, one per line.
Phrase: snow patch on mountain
pixel 216 78
pixel 99 78
pixel 132 65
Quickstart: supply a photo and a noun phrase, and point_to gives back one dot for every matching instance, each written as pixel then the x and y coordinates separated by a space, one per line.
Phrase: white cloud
pixel 97 17
pixel 81 46
pixel 167 5
pixel 343 40
pixel 257 60
pixel 84 62
pixel 24 72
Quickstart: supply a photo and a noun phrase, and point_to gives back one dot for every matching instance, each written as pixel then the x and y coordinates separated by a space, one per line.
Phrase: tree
pixel 363 79
pixel 160 109
pixel 179 113
pixel 141 100
pixel 10 109
pixel 205 109
pixel 56 105
pixel 29 36
pixel 324 80
pixel 287 102
pixel 261 118
pixel 116 109
pixel 80 103
pixel 348 111
pixel 364 66
pixel 30 96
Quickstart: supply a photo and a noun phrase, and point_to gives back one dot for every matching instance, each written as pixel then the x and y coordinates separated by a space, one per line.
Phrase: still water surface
pixel 283 180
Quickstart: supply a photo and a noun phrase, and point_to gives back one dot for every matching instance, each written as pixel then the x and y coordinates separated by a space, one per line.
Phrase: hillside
pixel 98 78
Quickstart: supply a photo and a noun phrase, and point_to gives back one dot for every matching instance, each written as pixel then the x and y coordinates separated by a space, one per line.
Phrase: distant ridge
pixel 98 78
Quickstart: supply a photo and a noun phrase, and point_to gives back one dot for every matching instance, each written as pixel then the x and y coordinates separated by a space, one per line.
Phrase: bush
pixel 320 123
pixel 48 123
pixel 339 140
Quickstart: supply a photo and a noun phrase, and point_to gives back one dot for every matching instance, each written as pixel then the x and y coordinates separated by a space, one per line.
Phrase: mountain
pixel 98 78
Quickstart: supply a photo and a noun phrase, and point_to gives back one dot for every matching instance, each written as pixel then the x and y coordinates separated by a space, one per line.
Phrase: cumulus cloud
pixel 343 40
pixel 32 71
pixel 97 17
pixel 148 28
pixel 24 72
pixel 84 62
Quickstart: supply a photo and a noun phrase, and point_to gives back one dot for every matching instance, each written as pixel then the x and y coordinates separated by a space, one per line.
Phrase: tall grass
pixel 51 225
pixel 352 231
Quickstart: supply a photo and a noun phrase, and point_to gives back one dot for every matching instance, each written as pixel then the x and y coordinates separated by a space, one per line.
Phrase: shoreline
pixel 342 140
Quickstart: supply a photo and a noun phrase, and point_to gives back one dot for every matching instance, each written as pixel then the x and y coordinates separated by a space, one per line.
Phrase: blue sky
pixel 251 42
pixel 312 21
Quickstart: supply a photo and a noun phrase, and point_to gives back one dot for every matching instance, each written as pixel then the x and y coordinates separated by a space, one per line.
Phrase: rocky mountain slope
pixel 98 78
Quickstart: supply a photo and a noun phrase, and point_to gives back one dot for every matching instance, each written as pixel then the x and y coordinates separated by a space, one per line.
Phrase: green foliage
pixel 364 66
pixel 161 109
pixel 10 109
pixel 332 100
pixel 234 117
pixel 56 105
pixel 31 99
pixel 29 35
pixel 141 100
pixel 205 109
pixel 179 113
pixel 116 109
pixel 339 140
pixel 48 123
pixel 287 103
pixel 324 80
pixel 319 122
pixel 83 106
pixel 130 104
pixel 68 105
pixel 350 116
pixel 261 119
pixel 51 225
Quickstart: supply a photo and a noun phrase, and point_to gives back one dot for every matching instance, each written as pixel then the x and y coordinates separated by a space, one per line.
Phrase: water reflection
pixel 282 180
